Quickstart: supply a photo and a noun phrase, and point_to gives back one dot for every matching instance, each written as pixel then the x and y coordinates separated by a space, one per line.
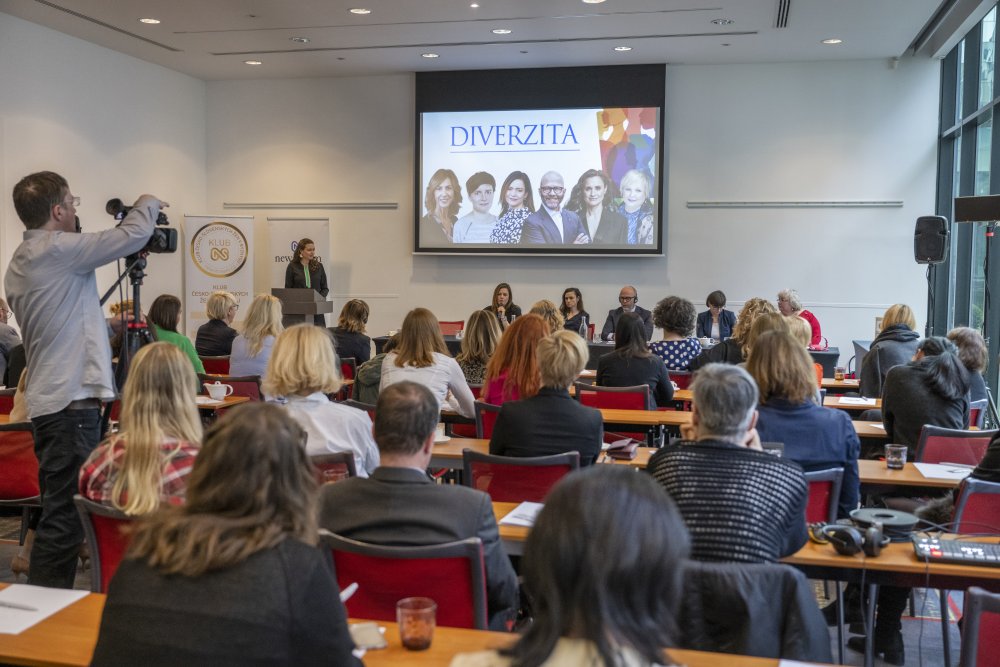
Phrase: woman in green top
pixel 165 315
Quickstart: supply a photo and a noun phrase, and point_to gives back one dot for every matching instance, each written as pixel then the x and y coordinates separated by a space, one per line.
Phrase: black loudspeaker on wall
pixel 930 239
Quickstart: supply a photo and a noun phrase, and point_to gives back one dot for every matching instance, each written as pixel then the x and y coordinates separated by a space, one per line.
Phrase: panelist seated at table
pixel 734 350
pixel 632 364
pixel 628 297
pixel 716 323
pixel 399 505
pixel 551 421
pixel 572 560
pixel 739 502
pixel 790 304
pixel 815 437
pixel 233 576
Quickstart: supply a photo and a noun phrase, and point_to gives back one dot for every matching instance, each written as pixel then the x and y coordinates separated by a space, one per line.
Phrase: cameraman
pixel 52 290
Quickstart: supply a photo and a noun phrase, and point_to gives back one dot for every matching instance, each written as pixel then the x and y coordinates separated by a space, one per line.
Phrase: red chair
pixel 452 574
pixel 946 445
pixel 977 507
pixel 824 495
pixel 467 430
pixel 509 479
pixel 349 371
pixel 681 378
pixel 617 398
pixel 486 417
pixel 339 462
pixel 19 471
pixel 451 328
pixel 108 535
pixel 6 401
pixel 977 412
pixel 243 385
pixel 981 628
pixel 215 365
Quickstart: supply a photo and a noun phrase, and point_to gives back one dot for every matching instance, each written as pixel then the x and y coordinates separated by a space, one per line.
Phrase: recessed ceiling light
pixel 299 40
pixel 723 21
pixel 592 2
pixel 623 48
pixel 501 31
pixel 252 62
pixel 429 55
pixel 833 40
pixel 361 11
pixel 149 21
pixel 474 5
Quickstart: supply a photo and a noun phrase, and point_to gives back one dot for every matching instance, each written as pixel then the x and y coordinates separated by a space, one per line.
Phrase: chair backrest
pixel 681 378
pixel 18 465
pixel 216 365
pixel 6 401
pixel 981 628
pixel 947 445
pixel 451 328
pixel 349 368
pixel 243 385
pixel 340 462
pixel 509 479
pixel 977 412
pixel 468 430
pixel 367 407
pixel 452 574
pixel 977 507
pixel 108 535
pixel 486 417
pixel 621 398
pixel 824 494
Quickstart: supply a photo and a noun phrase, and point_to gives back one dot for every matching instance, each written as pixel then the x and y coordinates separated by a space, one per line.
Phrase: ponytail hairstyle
pixel 946 374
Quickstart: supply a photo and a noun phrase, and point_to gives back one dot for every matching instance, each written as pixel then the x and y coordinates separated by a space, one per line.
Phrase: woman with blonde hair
pixel 512 373
pixel 550 313
pixel 422 357
pixel 349 334
pixel 734 350
pixel 482 333
pixel 235 572
pixel 215 337
pixel 894 346
pixel 252 348
pixel 637 208
pixel 802 333
pixel 147 463
pixel 302 372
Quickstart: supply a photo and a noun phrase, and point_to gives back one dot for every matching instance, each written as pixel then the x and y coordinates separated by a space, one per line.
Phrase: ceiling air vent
pixel 781 18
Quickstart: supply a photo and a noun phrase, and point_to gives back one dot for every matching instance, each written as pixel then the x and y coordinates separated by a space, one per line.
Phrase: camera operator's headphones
pixel 848 540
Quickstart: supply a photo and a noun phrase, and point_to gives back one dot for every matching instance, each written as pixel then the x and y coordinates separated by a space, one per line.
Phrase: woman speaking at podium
pixel 305 271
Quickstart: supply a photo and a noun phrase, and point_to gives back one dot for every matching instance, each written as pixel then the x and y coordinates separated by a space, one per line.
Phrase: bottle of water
pixel 583 327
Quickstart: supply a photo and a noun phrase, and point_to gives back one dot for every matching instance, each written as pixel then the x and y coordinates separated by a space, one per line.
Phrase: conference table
pixel 836 402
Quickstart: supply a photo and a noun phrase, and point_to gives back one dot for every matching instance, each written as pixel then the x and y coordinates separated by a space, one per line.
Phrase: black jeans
pixel 63 441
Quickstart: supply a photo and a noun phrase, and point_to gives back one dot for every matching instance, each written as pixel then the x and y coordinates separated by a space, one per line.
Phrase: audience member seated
pixel 802 333
pixel 422 357
pixel 551 421
pixel 302 372
pixel 931 389
pixel 735 349
pixel 165 315
pixel 215 337
pixel 368 376
pixel 399 505
pixel 676 317
pixel 629 299
pixel 550 313
pixel 632 364
pixel 973 354
pixel 148 461
pixel 739 502
pixel 234 573
pixel 595 603
pixel 502 306
pixel 716 323
pixel 349 334
pixel 815 437
pixel 574 315
pixel 512 373
pixel 790 304
pixel 9 339
pixel 894 346
pixel 252 348
pixel 479 340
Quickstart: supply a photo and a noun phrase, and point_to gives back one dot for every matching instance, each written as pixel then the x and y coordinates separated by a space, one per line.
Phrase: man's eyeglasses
pixel 552 190
pixel 626 298
pixel 72 201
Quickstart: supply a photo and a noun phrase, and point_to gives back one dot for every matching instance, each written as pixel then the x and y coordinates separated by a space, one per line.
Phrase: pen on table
pixel 17 605
pixel 346 594
pixel 957 465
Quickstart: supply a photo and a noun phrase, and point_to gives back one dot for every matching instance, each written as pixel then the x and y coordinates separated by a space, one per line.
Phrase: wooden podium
pixel 300 305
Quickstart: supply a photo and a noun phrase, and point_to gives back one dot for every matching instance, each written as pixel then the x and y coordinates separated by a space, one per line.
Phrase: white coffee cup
pixel 217 390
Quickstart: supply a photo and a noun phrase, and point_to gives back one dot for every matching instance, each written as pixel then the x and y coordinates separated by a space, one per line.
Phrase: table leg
pixel 945 634
pixel 840 625
pixel 870 626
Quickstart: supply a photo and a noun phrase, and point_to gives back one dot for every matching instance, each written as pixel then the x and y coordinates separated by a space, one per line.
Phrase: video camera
pixel 162 240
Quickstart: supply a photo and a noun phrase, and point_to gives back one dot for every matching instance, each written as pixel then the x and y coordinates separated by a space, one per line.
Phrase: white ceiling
pixel 211 39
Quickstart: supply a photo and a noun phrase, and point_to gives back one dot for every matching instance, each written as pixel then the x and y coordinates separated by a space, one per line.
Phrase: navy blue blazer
pixel 727 320
pixel 539 228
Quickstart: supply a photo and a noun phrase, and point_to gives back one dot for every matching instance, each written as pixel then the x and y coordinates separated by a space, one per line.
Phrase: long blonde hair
pixel 752 309
pixel 263 320
pixel 157 403
pixel 302 362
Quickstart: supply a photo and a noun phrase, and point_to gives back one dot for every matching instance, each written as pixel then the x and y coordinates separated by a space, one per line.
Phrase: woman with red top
pixel 147 463
pixel 789 304
pixel 512 373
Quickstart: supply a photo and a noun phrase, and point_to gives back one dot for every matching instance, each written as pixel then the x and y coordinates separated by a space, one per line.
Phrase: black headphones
pixel 848 540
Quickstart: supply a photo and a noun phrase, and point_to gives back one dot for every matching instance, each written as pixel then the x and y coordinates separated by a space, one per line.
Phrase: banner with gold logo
pixel 219 256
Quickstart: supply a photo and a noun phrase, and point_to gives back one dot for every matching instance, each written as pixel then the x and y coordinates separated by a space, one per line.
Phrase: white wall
pixel 791 132
pixel 113 125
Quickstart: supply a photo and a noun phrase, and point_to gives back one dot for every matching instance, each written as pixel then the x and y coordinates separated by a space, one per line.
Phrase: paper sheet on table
pixel 523 515
pixel 205 400
pixel 943 471
pixel 46 600
pixel 856 400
